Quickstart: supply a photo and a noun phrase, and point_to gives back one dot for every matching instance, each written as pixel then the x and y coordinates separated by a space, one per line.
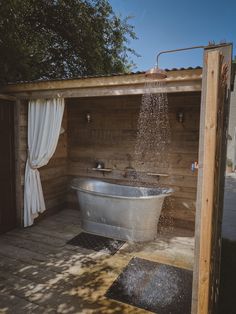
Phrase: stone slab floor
pixel 40 273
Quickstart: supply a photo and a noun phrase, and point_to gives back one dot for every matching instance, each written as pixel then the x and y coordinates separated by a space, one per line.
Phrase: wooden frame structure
pixel 214 84
pixel 118 85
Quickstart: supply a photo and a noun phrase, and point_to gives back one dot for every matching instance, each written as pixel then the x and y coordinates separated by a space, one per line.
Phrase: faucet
pixel 100 164
pixel 130 172
pixel 194 166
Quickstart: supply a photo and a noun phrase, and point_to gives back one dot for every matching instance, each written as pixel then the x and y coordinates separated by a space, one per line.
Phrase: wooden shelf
pixel 101 169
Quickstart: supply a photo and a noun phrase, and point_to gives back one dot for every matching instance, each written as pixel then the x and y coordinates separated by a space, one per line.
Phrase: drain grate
pixel 155 287
pixel 97 243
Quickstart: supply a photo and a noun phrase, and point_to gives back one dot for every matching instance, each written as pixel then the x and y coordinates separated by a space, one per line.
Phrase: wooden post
pixel 18 141
pixel 214 103
pixel 206 171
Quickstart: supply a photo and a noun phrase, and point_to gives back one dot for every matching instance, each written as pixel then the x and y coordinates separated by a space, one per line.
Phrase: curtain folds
pixel 44 124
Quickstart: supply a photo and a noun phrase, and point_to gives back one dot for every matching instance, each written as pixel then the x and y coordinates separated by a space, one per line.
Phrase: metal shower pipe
pixel 180 49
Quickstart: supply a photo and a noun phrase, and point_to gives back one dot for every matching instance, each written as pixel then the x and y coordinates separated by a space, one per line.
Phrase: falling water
pixel 153 138
pixel 153 135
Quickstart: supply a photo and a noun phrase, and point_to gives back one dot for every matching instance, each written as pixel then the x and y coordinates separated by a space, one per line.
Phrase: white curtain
pixel 44 124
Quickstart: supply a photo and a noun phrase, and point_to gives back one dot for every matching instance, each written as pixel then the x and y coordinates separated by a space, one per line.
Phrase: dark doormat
pixel 97 243
pixel 155 287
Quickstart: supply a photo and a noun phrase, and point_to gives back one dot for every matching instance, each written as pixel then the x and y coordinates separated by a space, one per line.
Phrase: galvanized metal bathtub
pixel 119 211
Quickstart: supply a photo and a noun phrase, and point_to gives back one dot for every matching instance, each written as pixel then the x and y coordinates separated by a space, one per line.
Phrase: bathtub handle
pixel 102 169
pixel 157 174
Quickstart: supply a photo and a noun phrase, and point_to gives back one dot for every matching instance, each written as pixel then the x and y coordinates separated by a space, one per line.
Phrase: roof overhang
pixel 188 80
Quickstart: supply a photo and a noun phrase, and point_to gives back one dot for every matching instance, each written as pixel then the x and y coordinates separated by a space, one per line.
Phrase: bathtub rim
pixel 73 186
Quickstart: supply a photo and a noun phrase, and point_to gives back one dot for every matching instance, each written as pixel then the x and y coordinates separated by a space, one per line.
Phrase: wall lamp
pixel 180 117
pixel 88 117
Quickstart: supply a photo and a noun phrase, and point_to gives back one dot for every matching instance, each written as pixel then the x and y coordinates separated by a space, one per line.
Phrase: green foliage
pixel 61 39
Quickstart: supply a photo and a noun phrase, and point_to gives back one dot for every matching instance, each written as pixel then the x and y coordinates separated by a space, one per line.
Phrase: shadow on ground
pixel 227 300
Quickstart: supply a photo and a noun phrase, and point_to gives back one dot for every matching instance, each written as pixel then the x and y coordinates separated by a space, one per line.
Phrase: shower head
pixel 156 73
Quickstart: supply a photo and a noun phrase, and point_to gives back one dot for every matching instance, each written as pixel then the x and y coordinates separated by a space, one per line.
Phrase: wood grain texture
pixel 208 176
pixel 111 137
pixel 212 153
pixel 18 148
pixel 90 83
pixel 8 213
pixel 41 273
pixel 7 97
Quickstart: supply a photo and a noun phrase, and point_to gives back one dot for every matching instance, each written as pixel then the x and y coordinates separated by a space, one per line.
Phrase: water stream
pixel 153 135
pixel 153 141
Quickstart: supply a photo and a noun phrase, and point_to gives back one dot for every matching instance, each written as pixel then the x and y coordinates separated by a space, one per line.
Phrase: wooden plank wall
pixel 54 175
pixel 8 213
pixel 111 135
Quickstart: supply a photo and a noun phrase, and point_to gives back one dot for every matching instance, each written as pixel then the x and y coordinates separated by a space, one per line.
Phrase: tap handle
pixel 100 164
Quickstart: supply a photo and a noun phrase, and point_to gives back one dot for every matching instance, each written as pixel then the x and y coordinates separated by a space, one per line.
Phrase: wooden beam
pixel 210 176
pixel 7 97
pixel 138 89
pixel 94 82
pixel 19 196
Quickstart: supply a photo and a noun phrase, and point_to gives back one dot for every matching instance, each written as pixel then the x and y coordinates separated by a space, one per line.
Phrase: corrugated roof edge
pixel 101 75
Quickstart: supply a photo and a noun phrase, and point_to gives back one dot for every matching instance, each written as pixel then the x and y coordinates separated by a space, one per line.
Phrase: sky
pixel 170 24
